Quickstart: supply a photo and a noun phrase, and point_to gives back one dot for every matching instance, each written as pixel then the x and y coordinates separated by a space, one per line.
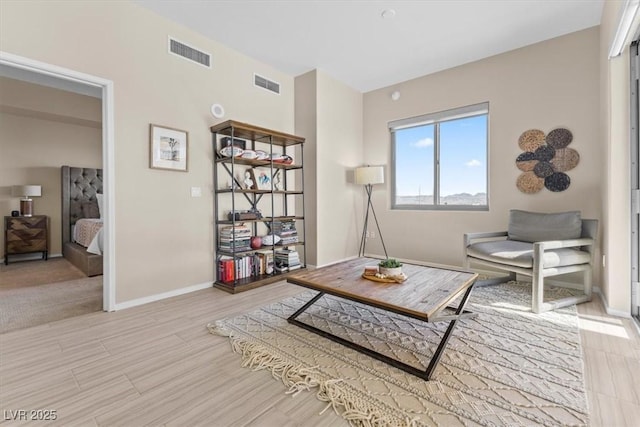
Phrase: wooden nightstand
pixel 26 234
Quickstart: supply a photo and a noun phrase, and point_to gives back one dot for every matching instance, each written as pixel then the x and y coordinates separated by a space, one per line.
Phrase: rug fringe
pixel 218 328
pixel 299 378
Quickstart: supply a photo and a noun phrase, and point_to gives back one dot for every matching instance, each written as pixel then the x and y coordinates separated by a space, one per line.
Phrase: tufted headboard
pixel 79 187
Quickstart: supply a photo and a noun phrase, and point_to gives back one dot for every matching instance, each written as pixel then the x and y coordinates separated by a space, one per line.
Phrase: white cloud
pixel 424 142
pixel 473 163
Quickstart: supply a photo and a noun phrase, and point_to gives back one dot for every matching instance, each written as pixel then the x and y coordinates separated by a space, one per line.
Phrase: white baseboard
pixel 311 266
pixel 611 311
pixel 164 295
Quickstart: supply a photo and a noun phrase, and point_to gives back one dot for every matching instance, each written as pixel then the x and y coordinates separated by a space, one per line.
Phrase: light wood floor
pixel 157 365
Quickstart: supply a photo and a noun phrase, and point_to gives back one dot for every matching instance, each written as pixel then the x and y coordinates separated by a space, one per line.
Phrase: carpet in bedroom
pixel 36 292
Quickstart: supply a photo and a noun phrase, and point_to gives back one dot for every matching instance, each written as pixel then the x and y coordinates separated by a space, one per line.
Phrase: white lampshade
pixel 370 175
pixel 26 190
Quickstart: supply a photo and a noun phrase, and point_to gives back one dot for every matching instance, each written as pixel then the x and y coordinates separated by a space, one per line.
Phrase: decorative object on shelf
pixel 249 154
pixel 256 242
pixel 15 213
pixel 231 151
pixel 390 267
pixel 243 216
pixel 168 148
pixel 256 212
pixel 26 191
pixel 545 160
pixel 270 239
pixel 263 181
pixel 261 155
pixel 369 176
pixel 277 182
pixel 249 180
pixel 237 142
pixel 285 159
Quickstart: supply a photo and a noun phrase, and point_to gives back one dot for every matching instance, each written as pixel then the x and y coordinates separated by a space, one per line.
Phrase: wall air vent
pixel 265 83
pixel 187 52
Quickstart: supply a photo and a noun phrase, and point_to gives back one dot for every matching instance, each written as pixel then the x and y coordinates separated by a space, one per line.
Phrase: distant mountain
pixel 452 199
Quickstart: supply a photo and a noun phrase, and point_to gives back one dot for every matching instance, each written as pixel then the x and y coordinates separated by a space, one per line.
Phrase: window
pixel 440 160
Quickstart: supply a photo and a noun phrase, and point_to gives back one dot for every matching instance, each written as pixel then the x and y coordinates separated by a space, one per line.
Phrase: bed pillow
pixel 100 210
pixel 90 210
pixel 538 227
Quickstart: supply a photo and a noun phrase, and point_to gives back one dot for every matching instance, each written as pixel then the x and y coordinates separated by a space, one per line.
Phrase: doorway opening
pixel 105 88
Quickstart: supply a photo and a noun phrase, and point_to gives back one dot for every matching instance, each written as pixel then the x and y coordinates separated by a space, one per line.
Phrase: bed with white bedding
pixel 81 218
pixel 87 232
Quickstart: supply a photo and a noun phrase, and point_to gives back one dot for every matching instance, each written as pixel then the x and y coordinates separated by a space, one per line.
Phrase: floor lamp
pixel 369 176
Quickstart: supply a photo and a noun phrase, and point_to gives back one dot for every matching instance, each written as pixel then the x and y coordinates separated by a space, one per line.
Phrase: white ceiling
pixel 352 42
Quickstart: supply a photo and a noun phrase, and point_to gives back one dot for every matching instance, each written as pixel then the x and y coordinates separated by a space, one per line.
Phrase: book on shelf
pixel 236 238
pixel 286 230
pixel 287 259
pixel 226 269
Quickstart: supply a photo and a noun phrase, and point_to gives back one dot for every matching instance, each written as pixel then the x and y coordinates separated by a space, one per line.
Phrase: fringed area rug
pixel 507 366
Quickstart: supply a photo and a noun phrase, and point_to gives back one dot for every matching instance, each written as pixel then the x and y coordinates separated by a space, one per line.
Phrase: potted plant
pixel 390 267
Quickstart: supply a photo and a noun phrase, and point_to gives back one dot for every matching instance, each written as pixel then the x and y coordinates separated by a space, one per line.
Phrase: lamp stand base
pixel 363 239
pixel 26 207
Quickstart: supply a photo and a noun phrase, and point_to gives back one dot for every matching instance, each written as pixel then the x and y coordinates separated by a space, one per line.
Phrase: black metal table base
pixel 426 374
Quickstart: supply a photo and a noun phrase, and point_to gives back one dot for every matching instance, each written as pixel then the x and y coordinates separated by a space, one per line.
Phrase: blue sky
pixel 462 158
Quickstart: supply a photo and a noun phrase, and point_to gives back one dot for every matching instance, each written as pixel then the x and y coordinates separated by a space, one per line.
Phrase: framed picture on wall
pixel 168 148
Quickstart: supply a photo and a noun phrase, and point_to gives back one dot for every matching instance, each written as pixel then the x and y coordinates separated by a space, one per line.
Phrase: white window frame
pixel 436 119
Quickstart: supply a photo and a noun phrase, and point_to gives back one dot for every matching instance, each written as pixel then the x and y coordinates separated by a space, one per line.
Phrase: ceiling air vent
pixel 266 84
pixel 190 53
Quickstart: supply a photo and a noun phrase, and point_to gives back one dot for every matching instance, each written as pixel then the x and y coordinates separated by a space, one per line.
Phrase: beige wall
pixel 164 237
pixel 614 121
pixel 330 114
pixel 42 129
pixel 339 151
pixel 306 124
pixel 542 86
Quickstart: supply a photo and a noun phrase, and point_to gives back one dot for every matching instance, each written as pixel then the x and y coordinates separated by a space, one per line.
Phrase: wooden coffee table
pixel 425 295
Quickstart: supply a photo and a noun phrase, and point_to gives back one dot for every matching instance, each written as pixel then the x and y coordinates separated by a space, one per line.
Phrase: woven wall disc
pixel 559 138
pixel 527 165
pixel 526 161
pixel 529 183
pixel 557 182
pixel 531 139
pixel 545 153
pixel 543 169
pixel 565 159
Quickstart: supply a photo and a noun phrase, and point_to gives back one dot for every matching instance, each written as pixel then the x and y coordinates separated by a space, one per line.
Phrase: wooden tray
pixel 378 279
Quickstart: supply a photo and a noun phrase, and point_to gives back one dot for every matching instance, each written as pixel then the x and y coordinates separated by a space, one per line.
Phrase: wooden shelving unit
pixel 275 205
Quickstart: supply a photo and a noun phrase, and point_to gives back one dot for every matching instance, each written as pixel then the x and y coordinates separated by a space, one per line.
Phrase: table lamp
pixel 26 191
pixel 369 176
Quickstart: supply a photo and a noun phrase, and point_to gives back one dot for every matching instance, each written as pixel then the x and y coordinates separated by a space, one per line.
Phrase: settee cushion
pixel 520 254
pixel 539 227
